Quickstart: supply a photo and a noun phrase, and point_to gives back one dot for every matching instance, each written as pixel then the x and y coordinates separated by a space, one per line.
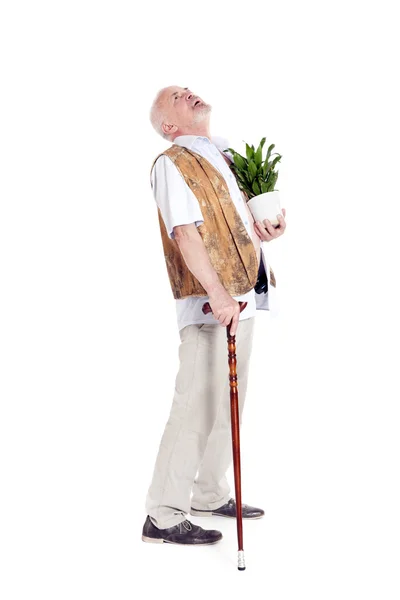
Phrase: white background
pixel 88 333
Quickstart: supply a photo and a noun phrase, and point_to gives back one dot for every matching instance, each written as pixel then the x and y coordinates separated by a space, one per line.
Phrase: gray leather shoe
pixel 184 533
pixel 229 510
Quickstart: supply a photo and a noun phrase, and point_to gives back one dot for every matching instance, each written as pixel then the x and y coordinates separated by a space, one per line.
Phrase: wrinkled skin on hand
pixel 267 232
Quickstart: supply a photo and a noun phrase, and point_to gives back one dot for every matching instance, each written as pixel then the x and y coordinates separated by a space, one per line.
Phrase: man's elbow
pixel 184 233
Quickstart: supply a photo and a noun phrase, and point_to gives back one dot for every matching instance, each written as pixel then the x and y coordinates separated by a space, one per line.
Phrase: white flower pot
pixel 266 206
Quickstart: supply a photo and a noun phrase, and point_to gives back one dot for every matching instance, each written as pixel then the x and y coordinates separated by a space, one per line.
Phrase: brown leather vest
pixel 230 248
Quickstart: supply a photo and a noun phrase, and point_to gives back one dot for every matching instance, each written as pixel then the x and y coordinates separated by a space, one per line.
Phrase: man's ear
pixel 168 129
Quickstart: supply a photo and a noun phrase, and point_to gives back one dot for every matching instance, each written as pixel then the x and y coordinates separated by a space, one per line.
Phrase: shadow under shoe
pixel 185 533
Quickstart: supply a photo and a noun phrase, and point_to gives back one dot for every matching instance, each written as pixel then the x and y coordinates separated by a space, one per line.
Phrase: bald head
pixel 178 111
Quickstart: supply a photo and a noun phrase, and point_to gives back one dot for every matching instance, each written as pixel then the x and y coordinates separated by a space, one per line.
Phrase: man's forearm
pixel 197 260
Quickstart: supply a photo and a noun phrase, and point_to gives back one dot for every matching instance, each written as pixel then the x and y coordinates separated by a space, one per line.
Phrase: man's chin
pixel 202 112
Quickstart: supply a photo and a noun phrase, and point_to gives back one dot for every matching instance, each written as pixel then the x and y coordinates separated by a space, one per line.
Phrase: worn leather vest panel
pixel 230 248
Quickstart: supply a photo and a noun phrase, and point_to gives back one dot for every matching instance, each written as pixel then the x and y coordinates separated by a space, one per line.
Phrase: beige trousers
pixel 196 447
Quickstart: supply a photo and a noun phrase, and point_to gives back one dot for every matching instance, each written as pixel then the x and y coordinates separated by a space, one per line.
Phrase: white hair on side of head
pixel 157 114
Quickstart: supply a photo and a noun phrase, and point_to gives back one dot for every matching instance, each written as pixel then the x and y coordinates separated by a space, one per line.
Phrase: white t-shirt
pixel 179 206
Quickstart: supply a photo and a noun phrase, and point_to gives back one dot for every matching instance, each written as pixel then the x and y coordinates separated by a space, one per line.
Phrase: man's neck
pixel 201 131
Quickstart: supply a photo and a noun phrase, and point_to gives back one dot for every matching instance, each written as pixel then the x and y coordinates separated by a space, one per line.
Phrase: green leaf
pixel 264 187
pixel 270 148
pixel 272 181
pixel 255 188
pixel 245 179
pixel 258 156
pixel 245 188
pixel 241 173
pixel 239 161
pixel 241 177
pixel 233 152
pixel 277 159
pixel 252 169
pixel 249 152
pixel 266 167
pixel 244 182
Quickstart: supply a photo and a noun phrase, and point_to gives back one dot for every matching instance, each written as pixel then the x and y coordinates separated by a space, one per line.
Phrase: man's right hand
pixel 225 309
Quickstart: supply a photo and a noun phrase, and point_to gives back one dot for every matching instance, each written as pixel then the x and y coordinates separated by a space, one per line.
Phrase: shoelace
pixel 186 524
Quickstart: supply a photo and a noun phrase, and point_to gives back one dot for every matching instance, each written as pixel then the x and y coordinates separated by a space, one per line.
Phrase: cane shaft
pixel 234 399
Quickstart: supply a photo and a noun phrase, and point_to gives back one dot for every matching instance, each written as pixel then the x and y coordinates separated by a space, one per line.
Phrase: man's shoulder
pixel 172 153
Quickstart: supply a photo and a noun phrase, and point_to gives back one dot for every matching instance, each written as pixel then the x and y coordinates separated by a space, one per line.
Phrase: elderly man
pixel 212 250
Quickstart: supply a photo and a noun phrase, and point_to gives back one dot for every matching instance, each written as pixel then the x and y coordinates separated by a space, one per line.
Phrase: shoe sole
pixel 196 513
pixel 161 541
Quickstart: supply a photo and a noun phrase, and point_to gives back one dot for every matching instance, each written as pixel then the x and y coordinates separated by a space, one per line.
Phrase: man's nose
pixel 189 95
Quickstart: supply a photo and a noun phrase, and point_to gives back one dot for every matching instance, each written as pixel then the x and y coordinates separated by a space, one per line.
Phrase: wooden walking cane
pixel 235 432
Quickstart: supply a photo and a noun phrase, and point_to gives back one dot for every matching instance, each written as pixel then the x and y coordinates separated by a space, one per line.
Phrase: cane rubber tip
pixel 241 564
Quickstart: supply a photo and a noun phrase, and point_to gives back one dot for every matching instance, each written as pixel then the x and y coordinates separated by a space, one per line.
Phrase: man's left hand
pixel 267 232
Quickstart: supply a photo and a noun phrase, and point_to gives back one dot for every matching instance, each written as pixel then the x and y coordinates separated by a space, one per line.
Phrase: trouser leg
pixel 211 488
pixel 199 386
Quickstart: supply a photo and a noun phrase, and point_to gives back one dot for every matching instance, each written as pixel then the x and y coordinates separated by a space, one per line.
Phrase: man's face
pixel 183 108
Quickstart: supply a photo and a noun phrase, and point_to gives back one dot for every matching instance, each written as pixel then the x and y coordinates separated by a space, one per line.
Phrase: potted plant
pixel 257 179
